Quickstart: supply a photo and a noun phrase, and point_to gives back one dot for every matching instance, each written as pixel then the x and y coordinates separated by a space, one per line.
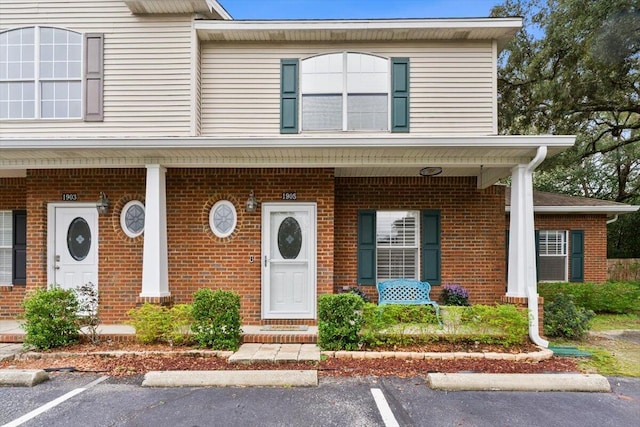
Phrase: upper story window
pixel 42 76
pixel 345 92
pixel 40 73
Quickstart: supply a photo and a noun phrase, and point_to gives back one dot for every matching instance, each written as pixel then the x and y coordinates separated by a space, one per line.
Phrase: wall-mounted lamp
pixel 430 171
pixel 252 203
pixel 103 204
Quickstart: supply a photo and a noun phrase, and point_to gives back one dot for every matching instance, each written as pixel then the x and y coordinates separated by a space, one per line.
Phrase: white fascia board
pixel 362 24
pixel 217 7
pixel 609 210
pixel 317 141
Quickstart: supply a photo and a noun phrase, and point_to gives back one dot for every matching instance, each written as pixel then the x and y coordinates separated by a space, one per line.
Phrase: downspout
pixel 531 290
pixel 612 220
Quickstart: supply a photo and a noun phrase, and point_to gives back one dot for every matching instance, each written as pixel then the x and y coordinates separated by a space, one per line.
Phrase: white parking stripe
pixel 385 411
pixel 23 419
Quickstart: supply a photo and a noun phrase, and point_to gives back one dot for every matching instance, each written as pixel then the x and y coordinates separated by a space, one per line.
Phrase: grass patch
pixel 610 322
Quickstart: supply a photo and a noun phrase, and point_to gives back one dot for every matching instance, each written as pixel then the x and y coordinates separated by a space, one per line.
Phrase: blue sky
pixel 345 9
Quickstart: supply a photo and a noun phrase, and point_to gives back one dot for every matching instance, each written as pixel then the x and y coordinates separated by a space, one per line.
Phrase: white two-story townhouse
pixel 153 148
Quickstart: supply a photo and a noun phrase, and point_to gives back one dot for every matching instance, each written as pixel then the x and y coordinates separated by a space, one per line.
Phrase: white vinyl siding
pixel 397 245
pixel 6 247
pixel 147 68
pixel 451 85
pixel 552 256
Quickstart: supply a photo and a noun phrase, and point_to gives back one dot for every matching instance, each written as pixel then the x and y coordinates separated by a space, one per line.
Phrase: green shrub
pixel 511 324
pixel 339 321
pixel 155 323
pixel 358 291
pixel 610 297
pixel 217 322
pixel 51 318
pixel 151 321
pixel 396 325
pixel 562 318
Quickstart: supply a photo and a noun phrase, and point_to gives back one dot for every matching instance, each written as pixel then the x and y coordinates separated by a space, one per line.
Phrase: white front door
pixel 73 245
pixel 288 260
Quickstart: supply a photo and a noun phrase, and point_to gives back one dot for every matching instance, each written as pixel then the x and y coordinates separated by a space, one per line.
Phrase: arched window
pixel 345 92
pixel 40 73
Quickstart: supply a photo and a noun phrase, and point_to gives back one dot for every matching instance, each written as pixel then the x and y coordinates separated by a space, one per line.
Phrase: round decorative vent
pixel 132 218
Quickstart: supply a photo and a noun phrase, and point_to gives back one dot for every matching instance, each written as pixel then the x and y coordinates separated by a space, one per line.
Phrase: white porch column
pixel 155 271
pixel 522 251
pixel 521 281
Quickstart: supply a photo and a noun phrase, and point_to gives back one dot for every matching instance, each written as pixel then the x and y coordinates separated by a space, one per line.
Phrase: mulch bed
pixel 131 365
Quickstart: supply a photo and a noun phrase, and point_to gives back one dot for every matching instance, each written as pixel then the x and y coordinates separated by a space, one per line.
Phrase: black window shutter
pixel 367 247
pixel 289 96
pixel 19 258
pixel 576 261
pixel 431 246
pixel 399 94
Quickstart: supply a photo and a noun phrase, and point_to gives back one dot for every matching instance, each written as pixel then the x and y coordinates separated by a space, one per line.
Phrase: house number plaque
pixel 69 197
pixel 292 195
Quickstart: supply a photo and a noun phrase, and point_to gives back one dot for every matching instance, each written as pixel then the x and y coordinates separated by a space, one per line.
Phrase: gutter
pixel 531 290
pixel 612 220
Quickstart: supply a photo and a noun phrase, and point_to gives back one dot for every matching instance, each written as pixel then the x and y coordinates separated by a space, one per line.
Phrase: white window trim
pixel 418 240
pixel 36 76
pixel 9 268
pixel 345 93
pixel 123 218
pixel 565 250
pixel 212 225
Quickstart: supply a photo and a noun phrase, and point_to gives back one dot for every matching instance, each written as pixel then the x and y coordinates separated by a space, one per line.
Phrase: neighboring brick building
pixel 165 147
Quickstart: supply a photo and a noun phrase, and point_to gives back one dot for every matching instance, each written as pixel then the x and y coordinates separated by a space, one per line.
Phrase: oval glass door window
pixel 289 238
pixel 79 239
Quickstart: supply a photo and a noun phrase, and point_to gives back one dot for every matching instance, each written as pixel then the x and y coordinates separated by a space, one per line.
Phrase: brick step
pixel 281 338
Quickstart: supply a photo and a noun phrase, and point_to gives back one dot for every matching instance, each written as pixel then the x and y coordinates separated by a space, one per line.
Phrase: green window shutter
pixel 576 261
pixel 19 255
pixel 399 94
pixel 289 96
pixel 431 246
pixel 366 247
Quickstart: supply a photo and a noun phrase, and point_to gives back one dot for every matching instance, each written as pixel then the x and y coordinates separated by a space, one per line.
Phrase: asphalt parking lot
pixel 335 402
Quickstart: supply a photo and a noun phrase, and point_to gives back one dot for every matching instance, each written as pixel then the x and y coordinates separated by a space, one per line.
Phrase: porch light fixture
pixel 103 204
pixel 252 203
pixel 430 171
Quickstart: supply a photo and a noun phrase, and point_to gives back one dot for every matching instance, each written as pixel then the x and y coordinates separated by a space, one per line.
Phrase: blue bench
pixel 406 291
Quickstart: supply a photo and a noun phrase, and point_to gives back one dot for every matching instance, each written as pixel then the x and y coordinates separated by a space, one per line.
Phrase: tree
pixel 575 69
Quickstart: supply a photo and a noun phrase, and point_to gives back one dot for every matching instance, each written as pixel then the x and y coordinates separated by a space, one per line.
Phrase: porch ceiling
pixel 488 156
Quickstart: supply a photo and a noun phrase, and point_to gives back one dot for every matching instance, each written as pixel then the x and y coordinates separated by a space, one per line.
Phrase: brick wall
pixel 120 263
pixel 595 240
pixel 13 196
pixel 472 222
pixel 197 258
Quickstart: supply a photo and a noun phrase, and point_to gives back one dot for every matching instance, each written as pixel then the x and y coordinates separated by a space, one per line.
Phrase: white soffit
pixel 500 29
pixel 209 8
pixel 355 152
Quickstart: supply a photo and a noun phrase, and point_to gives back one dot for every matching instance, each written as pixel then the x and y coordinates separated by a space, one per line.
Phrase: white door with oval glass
pixel 72 245
pixel 289 260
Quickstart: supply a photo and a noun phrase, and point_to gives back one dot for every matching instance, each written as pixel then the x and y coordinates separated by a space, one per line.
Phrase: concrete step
pixel 275 353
